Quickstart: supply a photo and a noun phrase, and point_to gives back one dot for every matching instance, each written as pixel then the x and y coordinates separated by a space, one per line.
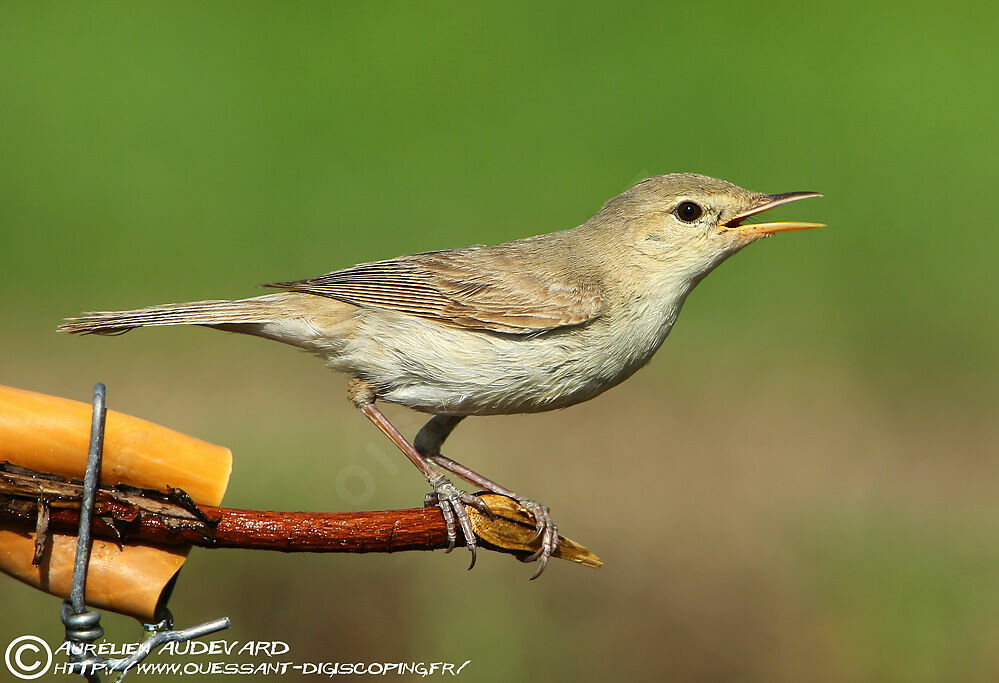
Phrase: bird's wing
pixel 481 288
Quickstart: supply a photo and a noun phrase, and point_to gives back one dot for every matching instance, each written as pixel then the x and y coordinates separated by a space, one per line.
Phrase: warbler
pixel 522 327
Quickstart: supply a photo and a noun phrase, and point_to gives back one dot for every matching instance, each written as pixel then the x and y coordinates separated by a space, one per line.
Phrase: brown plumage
pixel 478 288
pixel 212 312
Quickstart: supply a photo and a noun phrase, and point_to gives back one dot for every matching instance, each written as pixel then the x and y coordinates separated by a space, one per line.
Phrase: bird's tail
pixel 258 310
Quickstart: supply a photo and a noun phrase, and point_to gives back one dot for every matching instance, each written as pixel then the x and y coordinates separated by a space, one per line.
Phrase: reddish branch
pixel 358 532
pixel 46 503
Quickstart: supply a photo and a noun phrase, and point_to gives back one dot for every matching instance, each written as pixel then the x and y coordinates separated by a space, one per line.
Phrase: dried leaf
pixel 512 528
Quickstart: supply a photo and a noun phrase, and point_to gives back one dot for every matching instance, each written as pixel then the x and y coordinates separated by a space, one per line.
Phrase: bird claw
pixel 546 531
pixel 452 501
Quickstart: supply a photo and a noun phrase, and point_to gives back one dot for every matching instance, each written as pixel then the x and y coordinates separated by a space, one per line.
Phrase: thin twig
pixel 126 514
pixel 383 531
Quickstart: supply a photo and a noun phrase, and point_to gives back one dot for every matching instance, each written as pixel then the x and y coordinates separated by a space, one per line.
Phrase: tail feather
pixel 242 311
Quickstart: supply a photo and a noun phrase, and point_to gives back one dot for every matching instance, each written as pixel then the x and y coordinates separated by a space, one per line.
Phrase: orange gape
pixel 51 434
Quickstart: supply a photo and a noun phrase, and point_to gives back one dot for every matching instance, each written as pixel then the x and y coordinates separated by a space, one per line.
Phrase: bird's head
pixel 691 222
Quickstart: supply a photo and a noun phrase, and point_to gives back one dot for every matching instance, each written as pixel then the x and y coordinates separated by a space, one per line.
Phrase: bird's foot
pixel 452 501
pixel 547 532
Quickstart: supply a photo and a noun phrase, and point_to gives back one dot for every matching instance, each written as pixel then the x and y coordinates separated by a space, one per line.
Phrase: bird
pixel 527 326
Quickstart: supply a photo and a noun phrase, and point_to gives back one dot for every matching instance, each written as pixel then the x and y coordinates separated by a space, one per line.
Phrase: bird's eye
pixel 689 211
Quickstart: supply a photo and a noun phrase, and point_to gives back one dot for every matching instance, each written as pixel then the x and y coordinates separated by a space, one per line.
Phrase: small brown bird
pixel 522 327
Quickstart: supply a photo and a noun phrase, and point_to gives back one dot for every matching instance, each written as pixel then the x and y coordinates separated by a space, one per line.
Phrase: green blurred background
pixel 802 485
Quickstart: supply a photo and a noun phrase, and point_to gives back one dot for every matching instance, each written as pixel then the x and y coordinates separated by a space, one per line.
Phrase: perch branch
pixel 359 532
pixel 130 515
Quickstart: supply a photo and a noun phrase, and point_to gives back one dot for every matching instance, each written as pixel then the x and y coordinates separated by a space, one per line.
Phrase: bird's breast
pixel 442 369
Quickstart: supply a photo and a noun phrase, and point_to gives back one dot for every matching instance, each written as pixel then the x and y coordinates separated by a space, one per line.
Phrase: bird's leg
pixel 450 500
pixel 429 441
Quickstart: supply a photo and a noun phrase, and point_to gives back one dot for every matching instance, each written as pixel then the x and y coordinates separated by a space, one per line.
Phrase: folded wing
pixel 482 288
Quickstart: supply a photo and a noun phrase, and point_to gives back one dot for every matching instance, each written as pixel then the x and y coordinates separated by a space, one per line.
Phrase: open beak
pixel 767 202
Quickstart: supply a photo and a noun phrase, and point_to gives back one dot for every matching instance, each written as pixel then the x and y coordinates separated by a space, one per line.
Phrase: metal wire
pixel 83 627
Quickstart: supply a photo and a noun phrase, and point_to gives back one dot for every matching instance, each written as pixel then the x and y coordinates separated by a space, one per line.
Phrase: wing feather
pixel 485 288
